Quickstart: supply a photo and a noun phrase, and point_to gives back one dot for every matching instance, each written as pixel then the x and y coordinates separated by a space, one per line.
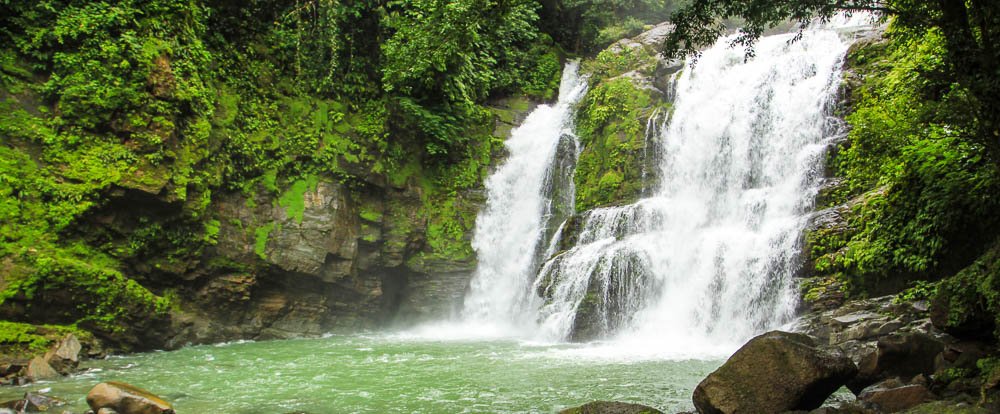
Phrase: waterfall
pixel 708 260
pixel 525 195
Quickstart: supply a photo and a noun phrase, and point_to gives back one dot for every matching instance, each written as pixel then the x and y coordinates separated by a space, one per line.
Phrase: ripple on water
pixel 388 374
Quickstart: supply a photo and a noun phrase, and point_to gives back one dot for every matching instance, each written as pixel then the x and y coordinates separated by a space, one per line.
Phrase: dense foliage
pixel 926 191
pixel 121 122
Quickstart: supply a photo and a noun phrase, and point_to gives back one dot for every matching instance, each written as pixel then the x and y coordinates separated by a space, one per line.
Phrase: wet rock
pixel 33 403
pixel 891 396
pixel 962 355
pixel 39 369
pixel 904 355
pixel 65 355
pixel 126 399
pixel 949 407
pixel 611 407
pixel 774 372
pixel 845 408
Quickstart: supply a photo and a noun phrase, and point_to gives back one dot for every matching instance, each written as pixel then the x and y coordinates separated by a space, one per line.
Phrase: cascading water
pixel 520 202
pixel 709 259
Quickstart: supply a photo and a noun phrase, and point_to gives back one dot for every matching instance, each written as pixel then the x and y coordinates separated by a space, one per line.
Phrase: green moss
pixel 22 339
pixel 293 199
pixel 371 215
pixel 615 61
pixel 611 129
pixel 970 300
pixel 22 335
pixel 260 239
pixel 212 228
pixel 926 191
pixel 108 300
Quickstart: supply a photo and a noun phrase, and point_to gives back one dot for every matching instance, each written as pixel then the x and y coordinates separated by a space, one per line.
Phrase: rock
pixel 41 402
pixel 854 318
pixel 949 407
pixel 903 355
pixel 611 407
pixel 33 403
pixel 846 408
pixel 125 399
pixel 65 356
pixel 772 373
pixel 39 369
pixel 891 397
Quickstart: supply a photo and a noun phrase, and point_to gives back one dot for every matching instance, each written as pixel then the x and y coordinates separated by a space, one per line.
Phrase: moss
pixel 611 129
pixel 260 239
pixel 212 228
pixel 370 214
pixel 615 61
pixel 107 299
pixel 23 339
pixel 969 302
pixel 23 336
pixel 293 199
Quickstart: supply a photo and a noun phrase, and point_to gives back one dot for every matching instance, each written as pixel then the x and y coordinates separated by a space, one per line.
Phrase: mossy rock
pixel 23 340
pixel 968 303
pixel 611 407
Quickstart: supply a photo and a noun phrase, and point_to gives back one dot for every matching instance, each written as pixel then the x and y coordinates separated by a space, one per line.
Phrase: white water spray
pixel 709 260
pixel 510 229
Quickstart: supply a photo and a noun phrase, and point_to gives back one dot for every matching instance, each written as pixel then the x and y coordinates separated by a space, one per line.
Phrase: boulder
pixel 845 408
pixel 39 369
pixel 33 403
pixel 65 356
pixel 611 407
pixel 905 355
pixel 126 399
pixel 772 373
pixel 891 396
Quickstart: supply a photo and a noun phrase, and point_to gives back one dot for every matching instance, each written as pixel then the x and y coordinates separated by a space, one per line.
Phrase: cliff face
pixel 335 259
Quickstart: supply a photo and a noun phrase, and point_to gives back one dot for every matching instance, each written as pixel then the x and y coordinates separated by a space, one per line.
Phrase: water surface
pixel 389 374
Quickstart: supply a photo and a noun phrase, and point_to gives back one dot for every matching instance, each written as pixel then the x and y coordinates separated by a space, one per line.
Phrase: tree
pixel 970 27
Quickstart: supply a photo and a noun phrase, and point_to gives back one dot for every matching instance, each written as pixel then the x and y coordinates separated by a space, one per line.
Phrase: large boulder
pixel 65 355
pixel 126 399
pixel 774 372
pixel 891 396
pixel 904 355
pixel 39 369
pixel 611 407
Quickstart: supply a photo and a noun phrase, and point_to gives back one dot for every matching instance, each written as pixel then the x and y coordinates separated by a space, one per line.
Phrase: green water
pixel 385 374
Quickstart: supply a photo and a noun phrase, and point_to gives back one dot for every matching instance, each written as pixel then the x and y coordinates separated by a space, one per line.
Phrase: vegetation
pixel 926 190
pixel 23 339
pixel 610 128
pixel 122 124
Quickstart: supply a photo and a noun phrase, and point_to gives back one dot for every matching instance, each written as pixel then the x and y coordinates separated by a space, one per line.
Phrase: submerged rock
pixel 774 372
pixel 126 399
pixel 611 407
